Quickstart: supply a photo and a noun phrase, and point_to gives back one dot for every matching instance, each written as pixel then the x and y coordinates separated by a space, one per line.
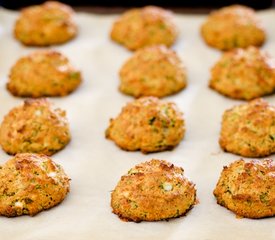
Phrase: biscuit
pixel 31 183
pixel 249 129
pixel 46 24
pixel 140 27
pixel 235 26
pixel 153 71
pixel 248 188
pixel 43 73
pixel 152 191
pixel 34 127
pixel 147 124
pixel 244 74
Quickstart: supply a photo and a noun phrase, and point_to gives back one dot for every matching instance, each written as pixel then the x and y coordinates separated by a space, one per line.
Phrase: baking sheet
pixel 96 164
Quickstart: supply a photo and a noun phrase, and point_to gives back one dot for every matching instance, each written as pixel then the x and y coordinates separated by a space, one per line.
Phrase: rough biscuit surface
pixel 43 73
pixel 248 188
pixel 141 27
pixel 34 127
pixel 249 129
pixel 153 191
pixel 46 24
pixel 231 27
pixel 31 183
pixel 153 71
pixel 244 74
pixel 147 124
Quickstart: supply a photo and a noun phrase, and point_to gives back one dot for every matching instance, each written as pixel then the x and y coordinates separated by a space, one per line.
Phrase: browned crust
pixel 46 24
pixel 244 74
pixel 248 188
pixel 153 71
pixel 140 27
pixel 31 183
pixel 249 129
pixel 153 191
pixel 43 73
pixel 147 124
pixel 34 127
pixel 232 27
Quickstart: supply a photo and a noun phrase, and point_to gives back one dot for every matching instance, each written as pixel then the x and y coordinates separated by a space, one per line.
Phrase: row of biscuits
pixel 153 71
pixel 146 124
pixel 162 121
pixel 241 74
pixel 31 181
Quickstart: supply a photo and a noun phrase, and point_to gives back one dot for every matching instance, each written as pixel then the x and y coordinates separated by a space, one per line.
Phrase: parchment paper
pixel 96 164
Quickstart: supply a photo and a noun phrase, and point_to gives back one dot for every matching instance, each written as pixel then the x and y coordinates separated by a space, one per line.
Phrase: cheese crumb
pixel 18 204
pixel 167 186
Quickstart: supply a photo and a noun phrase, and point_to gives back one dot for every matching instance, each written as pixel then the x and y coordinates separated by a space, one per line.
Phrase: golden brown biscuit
pixel 248 188
pixel 43 73
pixel 46 24
pixel 34 127
pixel 153 191
pixel 147 124
pixel 140 27
pixel 31 183
pixel 244 74
pixel 153 71
pixel 249 129
pixel 231 27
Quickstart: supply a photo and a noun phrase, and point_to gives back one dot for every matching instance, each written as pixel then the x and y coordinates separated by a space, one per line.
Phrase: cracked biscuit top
pixel 34 127
pixel 46 24
pixel 153 71
pixel 31 183
pixel 140 27
pixel 147 124
pixel 235 26
pixel 248 188
pixel 152 191
pixel 249 129
pixel 43 74
pixel 244 74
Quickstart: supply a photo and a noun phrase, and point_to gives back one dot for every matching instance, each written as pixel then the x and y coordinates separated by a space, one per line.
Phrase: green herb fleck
pixel 28 200
pixel 74 75
pixel 151 120
pixel 263 198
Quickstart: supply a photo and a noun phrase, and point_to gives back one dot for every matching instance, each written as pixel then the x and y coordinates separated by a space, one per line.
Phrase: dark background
pixel 258 4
